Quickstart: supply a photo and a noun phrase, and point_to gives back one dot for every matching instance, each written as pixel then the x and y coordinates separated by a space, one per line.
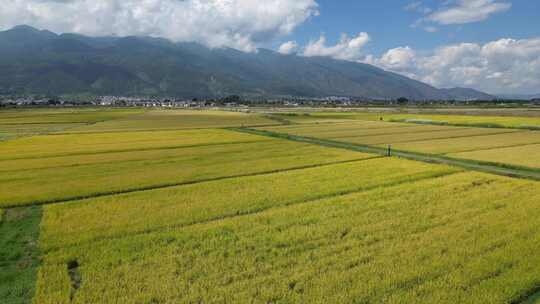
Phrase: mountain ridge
pixel 39 61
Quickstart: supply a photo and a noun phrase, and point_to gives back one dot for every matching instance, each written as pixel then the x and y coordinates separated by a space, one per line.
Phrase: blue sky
pixel 389 24
pixel 490 45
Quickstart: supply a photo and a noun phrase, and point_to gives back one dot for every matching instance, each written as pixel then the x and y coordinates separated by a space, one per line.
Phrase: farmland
pixel 471 143
pixel 182 206
pixel 521 119
pixel 19 123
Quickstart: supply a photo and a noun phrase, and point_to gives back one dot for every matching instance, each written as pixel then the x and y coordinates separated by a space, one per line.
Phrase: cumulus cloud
pixel 505 65
pixel 241 24
pixel 346 49
pixel 288 47
pixel 467 11
pixel 455 12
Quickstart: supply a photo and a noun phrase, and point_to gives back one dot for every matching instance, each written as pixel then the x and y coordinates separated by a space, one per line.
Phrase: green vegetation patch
pixel 19 254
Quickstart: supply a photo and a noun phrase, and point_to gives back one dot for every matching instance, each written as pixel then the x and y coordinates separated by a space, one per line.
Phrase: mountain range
pixel 36 61
pixel 520 96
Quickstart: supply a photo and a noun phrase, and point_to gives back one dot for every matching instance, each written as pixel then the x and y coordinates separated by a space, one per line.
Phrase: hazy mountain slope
pixel 33 61
pixel 468 94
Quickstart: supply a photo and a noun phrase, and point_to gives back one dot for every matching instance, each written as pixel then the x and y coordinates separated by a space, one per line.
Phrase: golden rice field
pixel 460 238
pixel 173 206
pixel 21 123
pixel 465 144
pixel 527 155
pixel 173 120
pixel 134 170
pixel 481 118
pixel 106 217
pixel 95 143
pixel 10 131
pixel 461 142
pixel 64 115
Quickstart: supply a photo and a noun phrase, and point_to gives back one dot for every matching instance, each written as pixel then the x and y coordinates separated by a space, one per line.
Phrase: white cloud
pixel 288 47
pixel 417 6
pixel 467 11
pixel 242 24
pixel 505 65
pixel 346 49
pixel 431 29
pixel 398 58
pixel 413 6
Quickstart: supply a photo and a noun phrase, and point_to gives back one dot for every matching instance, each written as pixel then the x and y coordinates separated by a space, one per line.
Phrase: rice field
pixel 460 142
pixel 148 210
pixel 177 119
pixel 527 155
pixel 469 118
pixel 95 143
pixel 30 122
pixel 490 121
pixel 51 178
pixel 439 240
pixel 173 206
pixel 63 115
pixel 465 144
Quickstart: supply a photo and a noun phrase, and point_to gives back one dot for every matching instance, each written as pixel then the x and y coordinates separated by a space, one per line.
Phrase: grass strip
pixel 19 254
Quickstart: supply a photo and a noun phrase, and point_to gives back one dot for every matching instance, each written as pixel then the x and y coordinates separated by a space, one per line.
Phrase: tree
pixel 232 99
pixel 402 100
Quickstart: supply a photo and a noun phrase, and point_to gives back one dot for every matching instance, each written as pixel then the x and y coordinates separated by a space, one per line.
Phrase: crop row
pixel 462 238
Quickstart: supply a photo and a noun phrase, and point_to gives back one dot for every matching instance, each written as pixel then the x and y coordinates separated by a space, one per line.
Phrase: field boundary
pixel 486 167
